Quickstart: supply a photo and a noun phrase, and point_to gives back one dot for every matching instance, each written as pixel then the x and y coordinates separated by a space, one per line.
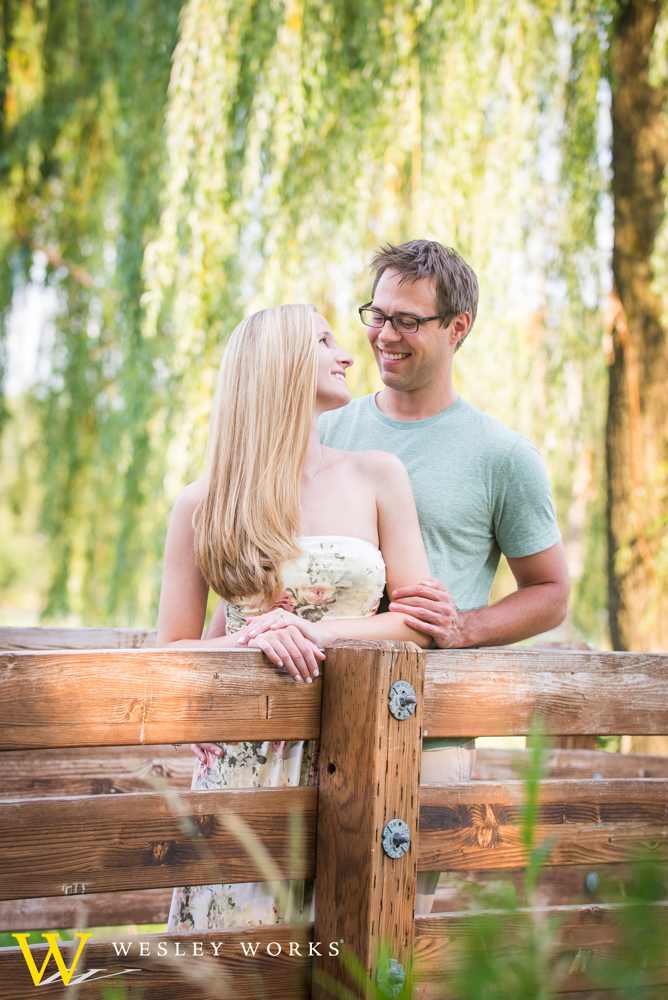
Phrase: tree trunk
pixel 637 426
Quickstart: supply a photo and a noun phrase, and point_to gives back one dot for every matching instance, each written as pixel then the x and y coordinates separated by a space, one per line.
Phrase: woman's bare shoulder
pixel 189 497
pixel 372 463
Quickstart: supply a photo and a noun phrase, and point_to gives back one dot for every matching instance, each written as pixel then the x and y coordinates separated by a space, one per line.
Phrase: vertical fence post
pixel 369 775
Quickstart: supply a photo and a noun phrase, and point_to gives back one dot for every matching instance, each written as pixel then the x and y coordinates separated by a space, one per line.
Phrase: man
pixel 480 488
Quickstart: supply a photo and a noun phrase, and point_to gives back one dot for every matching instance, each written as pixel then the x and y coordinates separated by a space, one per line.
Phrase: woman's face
pixel 332 364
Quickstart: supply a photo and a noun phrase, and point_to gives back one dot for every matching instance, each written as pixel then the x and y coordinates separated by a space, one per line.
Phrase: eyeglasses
pixel 402 324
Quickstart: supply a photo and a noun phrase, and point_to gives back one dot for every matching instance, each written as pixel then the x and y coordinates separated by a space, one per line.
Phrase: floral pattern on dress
pixel 336 577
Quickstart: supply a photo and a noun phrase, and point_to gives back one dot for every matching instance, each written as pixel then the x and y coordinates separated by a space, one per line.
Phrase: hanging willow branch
pixel 297 136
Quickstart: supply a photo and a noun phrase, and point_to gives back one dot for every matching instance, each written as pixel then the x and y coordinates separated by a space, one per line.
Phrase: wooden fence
pixel 80 833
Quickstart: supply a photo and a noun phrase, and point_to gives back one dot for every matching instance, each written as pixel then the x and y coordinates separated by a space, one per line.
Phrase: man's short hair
pixel 456 283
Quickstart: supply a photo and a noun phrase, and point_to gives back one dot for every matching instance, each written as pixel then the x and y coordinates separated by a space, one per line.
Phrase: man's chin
pixel 395 380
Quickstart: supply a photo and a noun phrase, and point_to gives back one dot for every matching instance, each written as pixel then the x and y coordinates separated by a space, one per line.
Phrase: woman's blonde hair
pixel 247 523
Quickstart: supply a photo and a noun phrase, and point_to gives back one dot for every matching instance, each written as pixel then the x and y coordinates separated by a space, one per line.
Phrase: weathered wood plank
pixel 562 885
pixel 369 774
pixel 573 742
pixel 109 698
pixel 41 637
pixel 30 774
pixel 199 976
pixel 502 765
pixel 97 909
pixel 476 825
pixel 591 928
pixel 73 698
pixel 498 692
pixel 117 770
pixel 144 841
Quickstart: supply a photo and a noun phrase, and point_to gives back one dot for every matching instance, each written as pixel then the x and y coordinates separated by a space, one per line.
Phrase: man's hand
pixel 539 604
pixel 430 609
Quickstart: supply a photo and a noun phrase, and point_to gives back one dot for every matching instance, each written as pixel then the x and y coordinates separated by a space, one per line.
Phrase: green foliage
pixel 513 948
pixel 299 134
pixel 82 143
pixel 34 937
pixel 642 937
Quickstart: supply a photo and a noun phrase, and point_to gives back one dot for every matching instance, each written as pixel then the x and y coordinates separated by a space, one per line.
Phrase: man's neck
pixel 416 404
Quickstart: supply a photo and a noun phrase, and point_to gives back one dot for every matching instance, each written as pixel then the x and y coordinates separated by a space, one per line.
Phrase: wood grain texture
pixel 97 909
pixel 506 765
pixel 369 774
pixel 29 774
pixel 39 637
pixel 195 977
pixel 498 692
pixel 574 742
pixel 110 698
pixel 476 825
pixel 591 929
pixel 117 770
pixel 73 698
pixel 144 841
pixel 562 885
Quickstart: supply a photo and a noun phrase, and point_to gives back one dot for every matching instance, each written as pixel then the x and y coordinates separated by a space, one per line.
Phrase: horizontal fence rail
pixel 41 637
pixel 99 697
pixel 179 973
pixel 591 932
pixel 97 802
pixel 184 965
pixel 201 837
pixel 119 770
pixel 95 909
pixel 94 771
pixel 563 691
pixel 140 841
pixel 561 885
pixel 478 824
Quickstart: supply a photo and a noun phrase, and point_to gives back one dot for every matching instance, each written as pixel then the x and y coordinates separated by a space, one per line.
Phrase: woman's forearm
pixel 389 625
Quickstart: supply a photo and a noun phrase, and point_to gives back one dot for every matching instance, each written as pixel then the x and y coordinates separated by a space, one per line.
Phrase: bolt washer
pixel 402 700
pixel 390 978
pixel 396 838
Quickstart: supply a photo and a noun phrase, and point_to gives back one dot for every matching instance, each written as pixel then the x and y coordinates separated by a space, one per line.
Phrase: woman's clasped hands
pixel 287 641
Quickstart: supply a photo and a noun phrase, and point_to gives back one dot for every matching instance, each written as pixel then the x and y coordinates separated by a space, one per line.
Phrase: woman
pixel 298 540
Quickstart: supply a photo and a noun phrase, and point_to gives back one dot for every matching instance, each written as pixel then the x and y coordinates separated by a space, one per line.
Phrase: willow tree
pixel 82 94
pixel 297 136
pixel 302 135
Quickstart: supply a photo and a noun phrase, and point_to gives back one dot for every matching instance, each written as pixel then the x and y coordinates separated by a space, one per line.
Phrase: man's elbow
pixel 559 603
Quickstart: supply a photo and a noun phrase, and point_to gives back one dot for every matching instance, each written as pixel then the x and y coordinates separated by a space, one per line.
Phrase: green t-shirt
pixel 480 489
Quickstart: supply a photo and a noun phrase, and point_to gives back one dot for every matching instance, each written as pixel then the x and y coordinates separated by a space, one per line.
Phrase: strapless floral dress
pixel 337 577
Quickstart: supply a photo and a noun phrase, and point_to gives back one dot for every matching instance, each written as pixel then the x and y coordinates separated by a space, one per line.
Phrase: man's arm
pixel 539 604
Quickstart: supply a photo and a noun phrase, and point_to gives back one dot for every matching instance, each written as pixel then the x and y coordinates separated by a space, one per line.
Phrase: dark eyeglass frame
pixel 418 320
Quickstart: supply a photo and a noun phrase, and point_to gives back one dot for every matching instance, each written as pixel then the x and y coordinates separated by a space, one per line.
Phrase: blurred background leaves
pixel 167 168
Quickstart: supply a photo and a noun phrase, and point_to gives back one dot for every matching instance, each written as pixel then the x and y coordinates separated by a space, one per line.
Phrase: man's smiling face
pixel 409 362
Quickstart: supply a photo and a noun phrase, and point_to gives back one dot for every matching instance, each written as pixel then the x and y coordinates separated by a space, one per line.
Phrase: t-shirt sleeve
pixel 324 428
pixel 524 518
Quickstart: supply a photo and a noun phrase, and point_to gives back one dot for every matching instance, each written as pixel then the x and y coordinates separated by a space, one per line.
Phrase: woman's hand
pixel 277 619
pixel 200 750
pixel 288 647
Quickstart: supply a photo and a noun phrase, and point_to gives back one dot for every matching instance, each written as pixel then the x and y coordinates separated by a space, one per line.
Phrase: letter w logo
pixel 53 950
